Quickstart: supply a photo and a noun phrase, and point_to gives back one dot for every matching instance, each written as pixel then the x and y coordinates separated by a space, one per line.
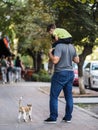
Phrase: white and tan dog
pixel 25 111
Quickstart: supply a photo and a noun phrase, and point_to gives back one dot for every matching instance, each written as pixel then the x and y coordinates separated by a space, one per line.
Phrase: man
pixel 62 79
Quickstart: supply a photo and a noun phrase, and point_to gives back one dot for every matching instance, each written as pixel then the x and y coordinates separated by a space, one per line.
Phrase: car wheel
pixel 85 86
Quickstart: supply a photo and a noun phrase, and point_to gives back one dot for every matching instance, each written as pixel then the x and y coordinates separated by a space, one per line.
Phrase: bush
pixel 35 77
pixel 43 72
pixel 42 76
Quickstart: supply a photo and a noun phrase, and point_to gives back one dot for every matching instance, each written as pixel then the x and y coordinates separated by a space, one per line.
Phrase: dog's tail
pixel 20 100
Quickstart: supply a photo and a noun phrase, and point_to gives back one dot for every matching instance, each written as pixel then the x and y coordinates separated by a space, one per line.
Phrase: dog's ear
pixel 29 105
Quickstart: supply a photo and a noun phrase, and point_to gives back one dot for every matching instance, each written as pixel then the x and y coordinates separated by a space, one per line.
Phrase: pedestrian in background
pixel 4 69
pixel 19 67
pixel 10 70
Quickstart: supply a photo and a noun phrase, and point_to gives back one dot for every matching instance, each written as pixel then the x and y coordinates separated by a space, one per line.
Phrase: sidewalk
pixel 9 96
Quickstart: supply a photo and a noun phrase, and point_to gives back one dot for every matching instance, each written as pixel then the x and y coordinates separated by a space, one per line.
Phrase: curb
pixel 77 107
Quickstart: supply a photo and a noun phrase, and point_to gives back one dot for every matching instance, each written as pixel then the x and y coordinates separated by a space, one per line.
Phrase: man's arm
pixel 54 59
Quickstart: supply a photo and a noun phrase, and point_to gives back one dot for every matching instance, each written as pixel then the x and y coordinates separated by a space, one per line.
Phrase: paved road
pixel 9 95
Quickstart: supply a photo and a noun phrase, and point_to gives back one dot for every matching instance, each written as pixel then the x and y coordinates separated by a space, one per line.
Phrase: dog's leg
pixel 19 116
pixel 30 115
pixel 24 117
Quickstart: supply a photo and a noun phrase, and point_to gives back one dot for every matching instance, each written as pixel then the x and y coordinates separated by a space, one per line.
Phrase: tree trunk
pixel 81 86
pixel 80 73
pixel 87 50
pixel 37 60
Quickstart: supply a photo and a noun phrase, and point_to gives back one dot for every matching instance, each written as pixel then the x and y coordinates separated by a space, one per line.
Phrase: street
pixel 9 101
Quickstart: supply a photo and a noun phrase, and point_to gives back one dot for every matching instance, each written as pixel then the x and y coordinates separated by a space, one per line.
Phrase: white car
pixel 90 74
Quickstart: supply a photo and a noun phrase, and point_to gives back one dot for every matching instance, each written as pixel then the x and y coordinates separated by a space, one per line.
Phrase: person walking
pixel 4 69
pixel 62 79
pixel 19 67
pixel 10 70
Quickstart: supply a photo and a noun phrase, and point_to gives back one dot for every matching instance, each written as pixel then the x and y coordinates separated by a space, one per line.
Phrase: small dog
pixel 25 111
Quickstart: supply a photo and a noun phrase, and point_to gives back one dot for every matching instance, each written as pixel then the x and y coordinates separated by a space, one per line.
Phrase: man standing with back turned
pixel 62 79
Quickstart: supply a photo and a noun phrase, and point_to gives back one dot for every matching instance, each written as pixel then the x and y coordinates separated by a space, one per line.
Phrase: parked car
pixel 90 75
pixel 75 68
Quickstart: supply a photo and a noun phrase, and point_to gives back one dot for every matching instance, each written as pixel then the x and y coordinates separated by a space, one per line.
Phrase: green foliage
pixel 42 76
pixel 77 18
pixel 42 72
pixel 27 61
pixel 22 20
pixel 32 30
pixel 84 1
pixel 35 77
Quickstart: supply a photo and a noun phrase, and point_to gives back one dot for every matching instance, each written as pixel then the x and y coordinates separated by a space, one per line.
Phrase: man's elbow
pixel 76 59
pixel 55 60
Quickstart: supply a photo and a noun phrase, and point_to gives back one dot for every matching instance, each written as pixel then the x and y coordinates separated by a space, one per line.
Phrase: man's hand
pixel 50 50
pixel 54 59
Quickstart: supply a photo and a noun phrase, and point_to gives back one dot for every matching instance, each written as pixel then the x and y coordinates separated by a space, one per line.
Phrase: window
pixel 87 66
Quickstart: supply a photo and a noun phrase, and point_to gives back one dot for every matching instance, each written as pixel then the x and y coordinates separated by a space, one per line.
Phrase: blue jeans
pixel 4 73
pixel 61 81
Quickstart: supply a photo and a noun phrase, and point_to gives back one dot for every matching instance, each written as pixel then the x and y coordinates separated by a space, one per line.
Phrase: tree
pixel 22 20
pixel 25 23
pixel 8 10
pixel 32 31
pixel 77 18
